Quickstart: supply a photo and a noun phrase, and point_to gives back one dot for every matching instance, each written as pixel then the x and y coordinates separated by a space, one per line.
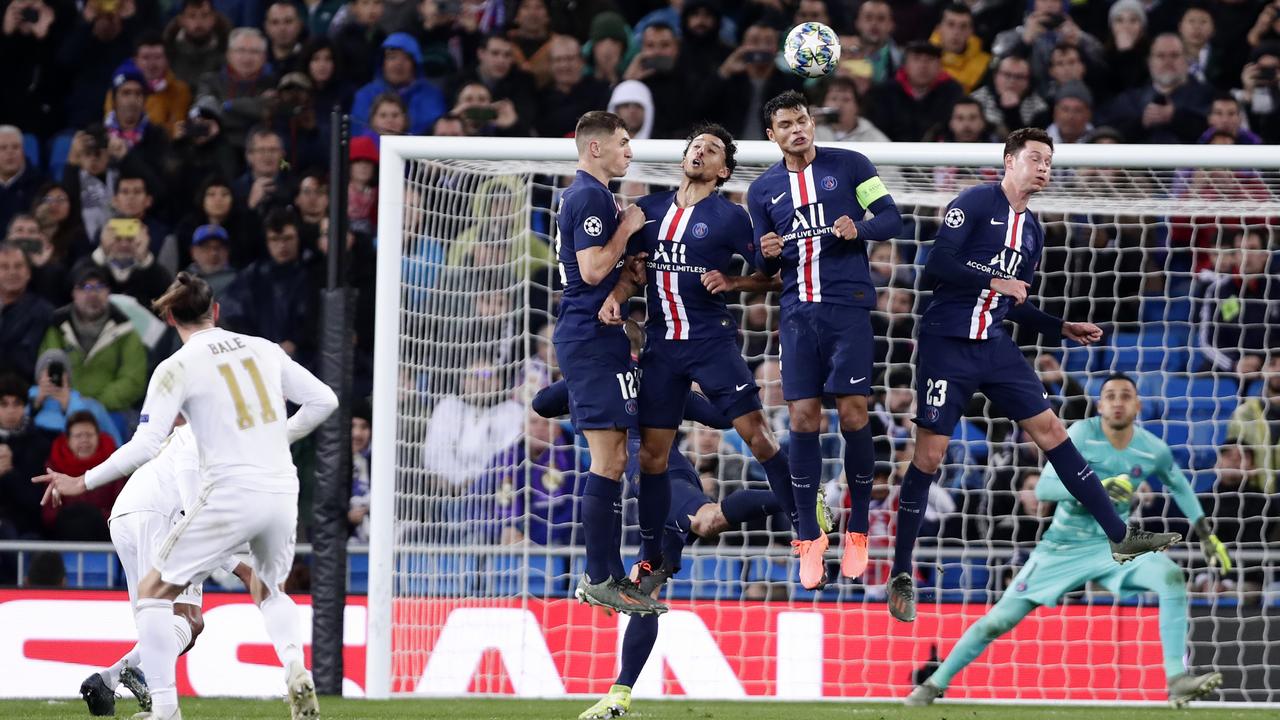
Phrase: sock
pixel 637 643
pixel 280 615
pixel 616 568
pixel 1084 485
pixel 778 471
pixel 913 498
pixel 1173 625
pixel 859 471
pixel 111 675
pixel 746 505
pixel 182 631
pixel 998 621
pixel 654 502
pixel 159 649
pixel 806 473
pixel 599 496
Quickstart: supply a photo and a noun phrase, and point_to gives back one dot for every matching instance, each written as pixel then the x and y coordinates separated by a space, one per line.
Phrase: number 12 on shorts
pixel 935 393
pixel 627 384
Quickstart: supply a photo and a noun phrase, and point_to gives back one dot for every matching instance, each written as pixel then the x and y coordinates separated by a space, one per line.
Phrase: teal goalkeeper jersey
pixel 1145 456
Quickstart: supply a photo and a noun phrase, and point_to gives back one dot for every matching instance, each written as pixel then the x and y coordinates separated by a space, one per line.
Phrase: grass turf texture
pixel 485 709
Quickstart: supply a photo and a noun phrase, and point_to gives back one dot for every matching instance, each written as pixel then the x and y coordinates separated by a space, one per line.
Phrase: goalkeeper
pixel 1074 551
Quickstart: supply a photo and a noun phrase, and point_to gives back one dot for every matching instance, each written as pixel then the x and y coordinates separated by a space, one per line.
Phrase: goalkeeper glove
pixel 1214 551
pixel 1120 489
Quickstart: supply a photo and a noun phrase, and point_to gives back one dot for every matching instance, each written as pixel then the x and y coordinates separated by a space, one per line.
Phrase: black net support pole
pixel 333 437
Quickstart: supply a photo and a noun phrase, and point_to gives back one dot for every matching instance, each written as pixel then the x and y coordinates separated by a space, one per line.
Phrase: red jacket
pixel 62 460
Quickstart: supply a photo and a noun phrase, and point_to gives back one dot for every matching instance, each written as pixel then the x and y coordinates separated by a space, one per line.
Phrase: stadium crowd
pixel 142 137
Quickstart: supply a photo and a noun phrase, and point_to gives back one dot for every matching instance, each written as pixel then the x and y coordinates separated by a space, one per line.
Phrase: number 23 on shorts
pixel 935 392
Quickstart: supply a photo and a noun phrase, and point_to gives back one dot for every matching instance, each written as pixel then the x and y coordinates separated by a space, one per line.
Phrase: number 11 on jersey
pixel 244 419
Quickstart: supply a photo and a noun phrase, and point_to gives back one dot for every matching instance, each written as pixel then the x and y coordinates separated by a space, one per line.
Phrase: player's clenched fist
pixel 716 282
pixel 1016 289
pixel 845 229
pixel 610 312
pixel 632 219
pixel 771 245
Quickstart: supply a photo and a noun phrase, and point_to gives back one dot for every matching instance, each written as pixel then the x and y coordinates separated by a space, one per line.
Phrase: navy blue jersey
pixel 987 237
pixel 801 207
pixel 683 244
pixel 588 217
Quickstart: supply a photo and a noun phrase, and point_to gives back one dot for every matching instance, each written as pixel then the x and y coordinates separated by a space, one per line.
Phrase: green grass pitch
pixel 486 709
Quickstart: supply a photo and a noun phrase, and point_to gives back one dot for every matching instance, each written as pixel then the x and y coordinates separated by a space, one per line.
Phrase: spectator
pixel 107 360
pixel 196 41
pixel 294 118
pixel 470 426
pixel 272 297
pixel 90 178
pixel 1203 55
pixel 918 97
pixel 47 570
pixel 656 66
pixel 167 97
pixel 1241 516
pixel 875 28
pixel 1007 101
pixel 839 119
pixel 84 517
pixel 329 89
pixel 1045 27
pixel 1242 310
pixel 1065 67
pixel 132 141
pixel 570 93
pixel 283 26
pixel 52 400
pixel 1072 114
pixel 312 204
pixel 358 271
pixel 1023 522
pixel 211 258
pixel 500 220
pixel 962 55
pixel 400 62
pixel 445 35
pixel 703 47
pixel 361 457
pixel 23 452
pixel 239 85
pixel 132 200
pixel 1065 394
pixel 320 14
pixel 32 32
pixel 1255 423
pixel 529 34
pixel 746 80
pixel 608 48
pixel 481 116
pixel 59 229
pixel 19 180
pixel 1226 116
pixel 106 34
pixel 533 485
pixel 1171 109
pixel 632 101
pixel 127 262
pixel 893 412
pixel 887 267
pixel 24 316
pixel 267 184
pixel 1259 93
pixel 358 40
pixel 893 325
pixel 1126 48
pixel 362 192
pixel 389 116
pixel 449 126
pixel 496 70
pixel 215 205
pixel 200 150
pixel 966 124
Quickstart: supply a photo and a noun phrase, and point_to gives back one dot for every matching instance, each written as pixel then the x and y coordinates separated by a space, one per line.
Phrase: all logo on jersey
pixel 670 252
pixel 700 231
pixel 1008 261
pixel 592 226
pixel 954 218
pixel 809 217
pixel 829 183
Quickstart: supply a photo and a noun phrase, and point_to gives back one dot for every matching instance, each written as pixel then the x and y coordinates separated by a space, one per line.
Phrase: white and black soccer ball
pixel 812 50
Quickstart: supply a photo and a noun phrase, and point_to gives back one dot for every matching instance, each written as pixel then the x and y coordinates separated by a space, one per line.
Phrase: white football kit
pixel 232 389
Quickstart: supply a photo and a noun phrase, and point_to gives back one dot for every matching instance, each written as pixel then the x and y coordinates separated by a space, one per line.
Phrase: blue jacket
pixel 424 100
pixel 50 416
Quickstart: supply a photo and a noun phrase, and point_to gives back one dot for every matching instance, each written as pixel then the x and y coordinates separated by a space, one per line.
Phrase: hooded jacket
pixel 114 370
pixel 634 91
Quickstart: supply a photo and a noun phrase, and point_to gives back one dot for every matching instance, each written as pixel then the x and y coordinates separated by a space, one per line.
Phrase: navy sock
pixel 654 503
pixel 1083 484
pixel 637 643
pixel 859 469
pixel 913 498
pixel 601 500
pixel 747 505
pixel 778 471
pixel 806 473
pixel 616 567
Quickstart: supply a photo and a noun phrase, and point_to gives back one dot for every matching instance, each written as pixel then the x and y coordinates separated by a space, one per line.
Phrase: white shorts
pixel 221 521
pixel 137 536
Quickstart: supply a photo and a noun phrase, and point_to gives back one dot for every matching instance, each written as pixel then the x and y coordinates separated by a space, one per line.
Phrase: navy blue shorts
pixel 950 370
pixel 669 366
pixel 686 497
pixel 826 350
pixel 603 384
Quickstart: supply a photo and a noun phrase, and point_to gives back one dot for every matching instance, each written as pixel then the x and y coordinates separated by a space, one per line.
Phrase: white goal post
pixel 434 198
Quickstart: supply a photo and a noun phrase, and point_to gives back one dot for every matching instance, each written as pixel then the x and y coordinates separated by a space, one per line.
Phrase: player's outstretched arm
pixel 596 262
pixel 1175 480
pixel 315 400
pixel 1027 314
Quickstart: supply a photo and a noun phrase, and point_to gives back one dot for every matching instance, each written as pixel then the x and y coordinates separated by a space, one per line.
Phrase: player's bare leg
pixel 652 571
pixel 859 467
pixel 1083 484
pixel 806 476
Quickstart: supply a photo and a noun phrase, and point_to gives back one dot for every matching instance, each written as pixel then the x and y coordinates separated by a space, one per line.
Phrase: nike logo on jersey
pixel 995 222
pixel 776 199
pixel 738 388
pixel 646 222
pixel 855 381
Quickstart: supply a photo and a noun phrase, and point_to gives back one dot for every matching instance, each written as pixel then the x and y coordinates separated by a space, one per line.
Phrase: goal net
pixel 477 543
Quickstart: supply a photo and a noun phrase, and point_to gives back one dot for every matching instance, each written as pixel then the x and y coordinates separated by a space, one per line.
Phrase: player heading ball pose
pixel 689 238
pixel 808 212
pixel 1074 551
pixel 981 267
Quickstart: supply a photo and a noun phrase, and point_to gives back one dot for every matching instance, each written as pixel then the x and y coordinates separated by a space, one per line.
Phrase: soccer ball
pixel 811 50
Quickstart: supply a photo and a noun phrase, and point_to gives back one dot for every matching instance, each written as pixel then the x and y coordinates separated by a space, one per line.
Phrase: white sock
pixel 158 647
pixel 280 615
pixel 111 675
pixel 181 630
